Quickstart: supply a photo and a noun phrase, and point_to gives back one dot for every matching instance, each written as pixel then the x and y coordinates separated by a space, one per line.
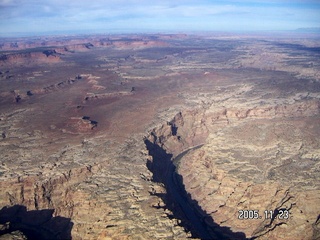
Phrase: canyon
pixel 159 136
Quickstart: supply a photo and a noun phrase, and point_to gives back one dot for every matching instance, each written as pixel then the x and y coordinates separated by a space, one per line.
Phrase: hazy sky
pixel 39 16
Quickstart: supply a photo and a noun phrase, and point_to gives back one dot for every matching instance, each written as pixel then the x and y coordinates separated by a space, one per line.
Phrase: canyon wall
pixel 261 159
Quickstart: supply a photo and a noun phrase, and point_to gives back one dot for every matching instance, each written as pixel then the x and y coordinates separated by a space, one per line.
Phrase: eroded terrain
pixel 97 129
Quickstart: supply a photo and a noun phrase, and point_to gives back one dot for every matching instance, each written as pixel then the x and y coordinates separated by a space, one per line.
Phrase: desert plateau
pixel 160 136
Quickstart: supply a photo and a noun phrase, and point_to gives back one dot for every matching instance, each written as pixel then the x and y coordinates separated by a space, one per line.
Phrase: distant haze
pixel 34 17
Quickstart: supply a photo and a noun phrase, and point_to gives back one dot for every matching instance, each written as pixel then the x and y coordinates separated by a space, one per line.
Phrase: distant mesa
pixel 82 125
pixel 83 44
pixel 56 86
pixel 77 48
pixel 45 51
pixel 14 45
pixel 88 45
pixel 107 95
pixel 48 56
pixel 49 52
pixel 90 123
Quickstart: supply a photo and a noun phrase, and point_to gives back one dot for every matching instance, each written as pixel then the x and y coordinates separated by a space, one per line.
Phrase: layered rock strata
pixel 263 159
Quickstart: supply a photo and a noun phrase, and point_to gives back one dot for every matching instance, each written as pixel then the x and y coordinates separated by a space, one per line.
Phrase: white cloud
pixel 62 14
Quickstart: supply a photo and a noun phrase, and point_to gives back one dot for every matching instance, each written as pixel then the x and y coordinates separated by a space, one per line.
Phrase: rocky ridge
pixel 35 57
pixel 67 151
pixel 252 159
pixel 40 52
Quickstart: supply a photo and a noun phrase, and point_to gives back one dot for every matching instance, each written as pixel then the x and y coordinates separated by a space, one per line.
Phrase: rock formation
pixel 159 137
pixel 29 58
pixel 259 159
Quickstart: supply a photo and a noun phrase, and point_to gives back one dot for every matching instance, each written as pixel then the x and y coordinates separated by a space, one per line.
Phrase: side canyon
pixel 159 137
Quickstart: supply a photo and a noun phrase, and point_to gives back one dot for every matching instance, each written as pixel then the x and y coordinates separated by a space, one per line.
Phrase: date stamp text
pixel 281 214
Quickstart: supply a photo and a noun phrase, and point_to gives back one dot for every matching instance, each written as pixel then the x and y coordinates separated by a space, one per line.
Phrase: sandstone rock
pixel 249 136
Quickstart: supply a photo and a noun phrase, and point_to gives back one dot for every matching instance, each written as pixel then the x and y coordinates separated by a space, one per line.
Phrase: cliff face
pixel 261 158
pixel 84 43
pixel 77 185
pixel 56 195
pixel 117 141
pixel 48 193
pixel 29 58
pixel 30 54
pixel 138 44
pixel 100 202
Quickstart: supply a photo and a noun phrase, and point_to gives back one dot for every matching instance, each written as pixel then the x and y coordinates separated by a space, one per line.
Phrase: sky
pixel 35 17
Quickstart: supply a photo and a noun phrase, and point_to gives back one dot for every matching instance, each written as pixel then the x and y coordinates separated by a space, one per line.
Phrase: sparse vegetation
pixel 76 113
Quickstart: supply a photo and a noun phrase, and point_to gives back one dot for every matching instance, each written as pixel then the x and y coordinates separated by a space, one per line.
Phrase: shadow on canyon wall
pixel 179 202
pixel 34 224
